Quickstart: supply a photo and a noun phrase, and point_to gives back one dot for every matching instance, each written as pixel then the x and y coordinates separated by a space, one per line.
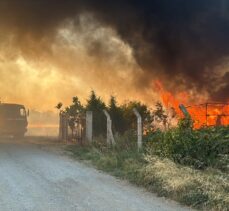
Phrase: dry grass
pixel 208 190
pixel 201 189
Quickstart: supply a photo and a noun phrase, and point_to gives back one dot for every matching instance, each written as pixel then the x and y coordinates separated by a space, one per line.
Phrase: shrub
pixel 199 148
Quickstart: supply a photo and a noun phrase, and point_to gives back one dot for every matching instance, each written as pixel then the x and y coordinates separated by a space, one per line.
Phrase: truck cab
pixel 13 120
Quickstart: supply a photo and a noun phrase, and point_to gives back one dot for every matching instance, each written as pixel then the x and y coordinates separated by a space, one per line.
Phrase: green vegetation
pixel 96 105
pixel 206 147
pixel 187 165
pixel 202 189
pixel 122 116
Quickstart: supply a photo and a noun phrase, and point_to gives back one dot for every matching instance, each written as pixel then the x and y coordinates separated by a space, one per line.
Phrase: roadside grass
pixel 201 189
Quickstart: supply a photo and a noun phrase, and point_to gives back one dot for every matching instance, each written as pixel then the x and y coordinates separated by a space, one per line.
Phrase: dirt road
pixel 34 178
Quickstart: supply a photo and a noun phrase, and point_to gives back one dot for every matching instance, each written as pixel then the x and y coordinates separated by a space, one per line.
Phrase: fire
pixel 208 114
pixel 169 100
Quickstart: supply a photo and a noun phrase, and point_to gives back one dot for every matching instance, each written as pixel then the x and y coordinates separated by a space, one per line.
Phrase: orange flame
pixel 208 114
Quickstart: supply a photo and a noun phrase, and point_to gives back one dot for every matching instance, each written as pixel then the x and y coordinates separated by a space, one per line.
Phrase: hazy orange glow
pixel 208 114
pixel 42 126
pixel 72 67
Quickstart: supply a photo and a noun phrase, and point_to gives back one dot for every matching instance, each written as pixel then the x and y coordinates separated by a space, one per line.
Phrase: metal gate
pixel 210 114
pixel 72 128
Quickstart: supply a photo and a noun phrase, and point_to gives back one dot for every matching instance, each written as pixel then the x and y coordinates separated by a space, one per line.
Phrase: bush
pixel 205 190
pixel 198 148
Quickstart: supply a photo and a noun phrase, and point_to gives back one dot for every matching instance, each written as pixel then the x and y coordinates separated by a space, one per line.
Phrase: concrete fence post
pixel 139 127
pixel 110 137
pixel 89 126
pixel 184 111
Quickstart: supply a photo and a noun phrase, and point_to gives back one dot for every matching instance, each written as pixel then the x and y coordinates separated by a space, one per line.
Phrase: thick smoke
pixel 183 42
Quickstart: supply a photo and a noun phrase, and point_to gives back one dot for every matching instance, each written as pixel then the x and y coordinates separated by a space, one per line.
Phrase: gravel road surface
pixel 35 178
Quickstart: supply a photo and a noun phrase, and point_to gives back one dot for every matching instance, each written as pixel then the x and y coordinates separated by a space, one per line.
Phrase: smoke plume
pixel 184 43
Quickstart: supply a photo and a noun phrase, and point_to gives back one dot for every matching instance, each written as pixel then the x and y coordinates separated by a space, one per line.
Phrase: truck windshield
pixel 11 111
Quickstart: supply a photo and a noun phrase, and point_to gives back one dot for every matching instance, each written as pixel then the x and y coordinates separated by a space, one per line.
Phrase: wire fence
pixel 209 114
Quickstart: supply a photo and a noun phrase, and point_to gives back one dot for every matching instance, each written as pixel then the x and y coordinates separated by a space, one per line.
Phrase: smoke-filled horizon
pixel 51 50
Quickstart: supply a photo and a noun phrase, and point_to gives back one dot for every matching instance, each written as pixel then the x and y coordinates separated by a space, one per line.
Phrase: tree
pixel 96 105
pixel 130 117
pixel 59 106
pixel 74 111
pixel 76 108
pixel 160 115
pixel 116 113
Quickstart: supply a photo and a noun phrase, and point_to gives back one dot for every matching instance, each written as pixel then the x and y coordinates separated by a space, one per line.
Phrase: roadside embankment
pixel 201 189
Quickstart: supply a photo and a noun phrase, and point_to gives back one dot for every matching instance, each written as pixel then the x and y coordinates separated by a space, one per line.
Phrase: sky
pixel 52 50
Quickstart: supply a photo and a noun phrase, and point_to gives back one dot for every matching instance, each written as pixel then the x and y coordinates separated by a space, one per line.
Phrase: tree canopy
pixel 122 115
